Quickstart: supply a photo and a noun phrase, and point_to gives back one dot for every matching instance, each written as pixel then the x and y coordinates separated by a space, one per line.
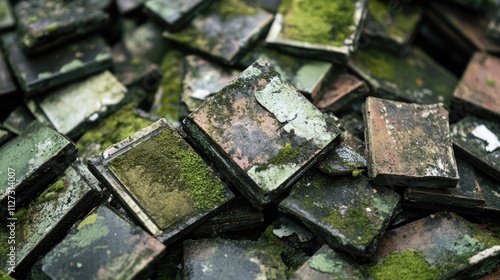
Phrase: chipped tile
pixel 58 66
pixel 441 246
pixel 477 141
pixel 424 81
pixel 348 213
pixel 134 169
pixel 174 14
pixel 288 133
pixel 224 31
pixel 102 246
pixel 480 84
pixel 409 144
pixel 230 259
pixel 338 26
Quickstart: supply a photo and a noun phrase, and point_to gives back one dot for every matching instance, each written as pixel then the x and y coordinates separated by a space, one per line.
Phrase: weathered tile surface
pixel 46 219
pixel 467 196
pixel 442 246
pixel 328 264
pixel 478 141
pixel 480 84
pixel 348 213
pixel 102 246
pixel 64 64
pixel 7 19
pixel 224 31
pixel 161 180
pixel 38 156
pixel 43 24
pixel 288 134
pixel 213 259
pixel 18 120
pixel 414 78
pixel 490 189
pixel 409 144
pixel 173 14
pixel 74 108
pixel 337 27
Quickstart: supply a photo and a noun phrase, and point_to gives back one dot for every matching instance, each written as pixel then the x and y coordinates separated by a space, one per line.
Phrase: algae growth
pixel 407 265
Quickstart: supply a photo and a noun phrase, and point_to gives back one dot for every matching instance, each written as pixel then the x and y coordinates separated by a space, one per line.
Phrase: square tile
pixel 339 92
pixel 288 133
pixel 409 144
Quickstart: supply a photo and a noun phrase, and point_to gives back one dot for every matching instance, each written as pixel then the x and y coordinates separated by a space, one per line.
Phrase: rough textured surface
pixel 102 246
pixel 441 246
pixel 174 13
pixel 473 148
pixel 162 180
pixel 409 144
pixel 413 78
pixel 227 259
pixel 74 108
pixel 480 86
pixel 348 213
pixel 341 91
pixel 288 133
pixel 224 31
pixel 326 264
pixel 38 156
pixel 58 66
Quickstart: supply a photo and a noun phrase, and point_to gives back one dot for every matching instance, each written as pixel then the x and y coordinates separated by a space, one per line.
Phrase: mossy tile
pixel 288 134
pixel 173 14
pixel 73 109
pixel 214 259
pixel 441 246
pixel 44 222
pixel 409 144
pixel 44 24
pixel 7 19
pixel 161 180
pixel 348 158
pixel 203 79
pixel 223 32
pixel 348 213
pixel 480 85
pixel 328 264
pixel 478 141
pixel 468 196
pixel 102 246
pixel 337 28
pixel 38 156
pixel 64 64
pixel 490 188
pixel 413 78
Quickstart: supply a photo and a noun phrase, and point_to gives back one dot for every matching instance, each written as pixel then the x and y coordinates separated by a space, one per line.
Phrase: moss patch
pixel 333 21
pixel 51 192
pixel 170 86
pixel 407 265
pixel 491 83
pixel 349 224
pixel 91 219
pixel 73 65
pixel 234 8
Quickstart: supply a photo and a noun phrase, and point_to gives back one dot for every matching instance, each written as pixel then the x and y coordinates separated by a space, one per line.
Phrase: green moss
pixel 73 65
pixel 51 192
pixel 89 220
pixel 491 83
pixel 234 8
pixel 32 19
pixel 354 224
pixel 21 214
pixel 5 276
pixel 52 28
pixel 287 154
pixel 333 21
pixel 486 239
pixel 407 265
pixel 396 24
pixel 171 86
pixel 135 62
pixel 357 172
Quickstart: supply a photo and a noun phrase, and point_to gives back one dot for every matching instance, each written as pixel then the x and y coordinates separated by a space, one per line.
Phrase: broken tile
pixel 353 122
pixel 44 24
pixel 135 168
pixel 466 197
pixel 392 26
pixel 288 134
pixel 306 75
pixel 480 85
pixel 414 78
pixel 478 141
pixel 339 92
pixel 203 79
pixel 223 32
pixel 348 213
pixel 405 215
pixel 409 144
pixel 174 14
pixel 75 108
pixel 127 6
pixel 113 129
pixel 230 259
pixel 328 264
pixel 102 246
pixel 18 120
pixel 37 156
pixel 490 189
pixel 59 66
pixel 337 28
pixel 7 19
pixel 441 246
pixel 47 218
